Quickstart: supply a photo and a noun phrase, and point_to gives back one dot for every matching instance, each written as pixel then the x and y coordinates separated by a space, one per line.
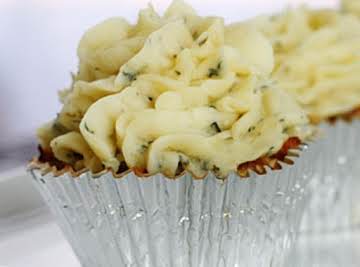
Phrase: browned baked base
pixel 47 158
pixel 273 161
pixel 348 117
pixel 354 114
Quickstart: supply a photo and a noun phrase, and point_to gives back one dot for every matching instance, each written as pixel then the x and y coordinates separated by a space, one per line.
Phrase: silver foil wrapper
pixel 157 221
pixel 330 250
pixel 335 189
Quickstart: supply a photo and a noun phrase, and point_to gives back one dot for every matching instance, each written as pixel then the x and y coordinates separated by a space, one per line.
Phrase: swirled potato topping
pixel 172 90
pixel 351 6
pixel 317 58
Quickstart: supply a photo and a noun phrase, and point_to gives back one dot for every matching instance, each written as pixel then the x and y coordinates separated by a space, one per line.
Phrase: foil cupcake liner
pixel 157 221
pixel 330 250
pixel 335 188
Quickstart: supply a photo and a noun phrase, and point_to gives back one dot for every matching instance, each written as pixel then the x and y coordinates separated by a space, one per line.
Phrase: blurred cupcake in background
pixel 318 62
pixel 351 6
pixel 144 164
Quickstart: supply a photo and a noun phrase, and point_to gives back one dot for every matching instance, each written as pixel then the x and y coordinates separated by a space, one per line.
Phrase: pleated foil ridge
pixel 335 188
pixel 160 222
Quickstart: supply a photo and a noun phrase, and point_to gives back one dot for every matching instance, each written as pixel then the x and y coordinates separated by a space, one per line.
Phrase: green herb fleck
pixel 269 152
pixel 204 165
pixel 184 162
pixel 130 76
pixel 215 71
pixel 215 169
pixel 177 72
pixel 202 42
pixel 252 128
pixel 282 120
pixel 215 127
pixel 88 129
pixel 285 130
pixel 143 148
pixel 58 127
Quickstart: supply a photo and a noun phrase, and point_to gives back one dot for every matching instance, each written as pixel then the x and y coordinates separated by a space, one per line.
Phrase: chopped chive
pixel 202 42
pixel 204 165
pixel 252 128
pixel 88 129
pixel 270 150
pixel 215 71
pixel 215 169
pixel 215 127
pixel 58 127
pixel 143 148
pixel 130 76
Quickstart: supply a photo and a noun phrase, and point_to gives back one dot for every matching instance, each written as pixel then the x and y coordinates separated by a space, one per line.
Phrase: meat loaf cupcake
pixel 144 164
pixel 318 61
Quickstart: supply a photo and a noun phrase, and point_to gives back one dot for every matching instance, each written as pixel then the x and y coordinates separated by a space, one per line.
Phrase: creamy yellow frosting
pixel 317 58
pixel 352 6
pixel 170 90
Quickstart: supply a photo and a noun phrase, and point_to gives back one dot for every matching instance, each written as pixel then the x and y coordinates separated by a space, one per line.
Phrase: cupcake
pixel 352 6
pixel 144 164
pixel 317 61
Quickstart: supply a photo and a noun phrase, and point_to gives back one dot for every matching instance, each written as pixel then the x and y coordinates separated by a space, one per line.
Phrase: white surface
pixel 29 236
pixel 37 243
pixel 17 195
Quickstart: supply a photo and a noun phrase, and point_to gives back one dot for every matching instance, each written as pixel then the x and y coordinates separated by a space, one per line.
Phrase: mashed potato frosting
pixel 177 89
pixel 317 58
pixel 352 6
